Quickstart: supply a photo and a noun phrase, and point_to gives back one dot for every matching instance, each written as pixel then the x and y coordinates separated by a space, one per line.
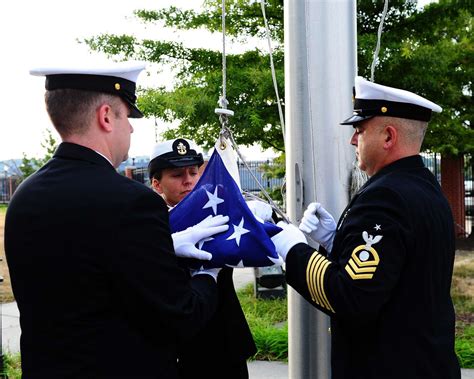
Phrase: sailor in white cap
pixel 383 272
pixel 226 343
pixel 70 90
pixel 118 79
pixel 372 99
pixel 179 161
pixel 93 266
pixel 401 115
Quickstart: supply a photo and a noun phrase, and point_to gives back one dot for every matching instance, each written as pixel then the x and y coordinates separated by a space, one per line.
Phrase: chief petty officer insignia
pixel 364 258
pixel 182 147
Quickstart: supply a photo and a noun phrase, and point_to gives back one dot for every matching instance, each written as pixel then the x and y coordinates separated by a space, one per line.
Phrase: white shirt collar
pixel 102 155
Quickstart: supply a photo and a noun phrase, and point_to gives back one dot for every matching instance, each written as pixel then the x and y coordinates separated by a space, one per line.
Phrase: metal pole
pixel 320 65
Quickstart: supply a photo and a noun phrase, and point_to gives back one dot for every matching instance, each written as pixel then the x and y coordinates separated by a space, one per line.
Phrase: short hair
pixel 158 174
pixel 72 110
pixel 412 131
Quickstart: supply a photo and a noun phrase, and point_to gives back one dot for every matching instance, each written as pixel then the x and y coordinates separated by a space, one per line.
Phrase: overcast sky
pixel 35 33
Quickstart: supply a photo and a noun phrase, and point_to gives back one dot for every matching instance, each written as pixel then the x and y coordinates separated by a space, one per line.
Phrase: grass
pixel 462 292
pixel 465 347
pixel 12 366
pixel 268 322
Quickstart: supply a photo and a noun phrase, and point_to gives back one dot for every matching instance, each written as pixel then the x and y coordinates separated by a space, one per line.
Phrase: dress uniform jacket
pixel 94 273
pixel 386 283
pixel 225 343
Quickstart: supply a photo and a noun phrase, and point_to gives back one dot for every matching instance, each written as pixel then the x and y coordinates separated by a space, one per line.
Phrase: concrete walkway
pixel 257 369
pixel 10 327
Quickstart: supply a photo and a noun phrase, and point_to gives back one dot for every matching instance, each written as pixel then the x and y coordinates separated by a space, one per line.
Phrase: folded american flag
pixel 247 243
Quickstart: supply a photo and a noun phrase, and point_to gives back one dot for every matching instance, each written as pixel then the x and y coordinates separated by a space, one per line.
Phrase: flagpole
pixel 320 65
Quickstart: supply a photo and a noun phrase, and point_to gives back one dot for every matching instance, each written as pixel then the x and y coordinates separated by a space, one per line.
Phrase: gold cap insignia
pixel 384 109
pixel 117 86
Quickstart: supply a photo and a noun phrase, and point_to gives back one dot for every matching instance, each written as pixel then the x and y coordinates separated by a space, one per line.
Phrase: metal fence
pixel 433 163
pixel 247 181
pixel 256 169
pixel 8 185
pixel 469 192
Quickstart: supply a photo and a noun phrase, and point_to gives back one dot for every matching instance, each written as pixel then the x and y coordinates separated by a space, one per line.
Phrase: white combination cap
pixel 116 78
pixel 178 152
pixel 372 99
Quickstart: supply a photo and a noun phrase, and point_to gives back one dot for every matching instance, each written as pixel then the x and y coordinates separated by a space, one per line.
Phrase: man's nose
pixel 353 140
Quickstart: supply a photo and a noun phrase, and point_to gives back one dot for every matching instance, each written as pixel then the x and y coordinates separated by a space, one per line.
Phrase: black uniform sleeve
pixel 369 251
pixel 146 273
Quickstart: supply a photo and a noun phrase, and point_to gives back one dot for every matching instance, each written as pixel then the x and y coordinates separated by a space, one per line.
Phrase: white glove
pixel 184 242
pixel 209 271
pixel 260 209
pixel 319 224
pixel 287 238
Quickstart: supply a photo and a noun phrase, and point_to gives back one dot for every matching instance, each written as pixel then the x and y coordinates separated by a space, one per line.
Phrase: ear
pixel 104 114
pixel 155 183
pixel 390 137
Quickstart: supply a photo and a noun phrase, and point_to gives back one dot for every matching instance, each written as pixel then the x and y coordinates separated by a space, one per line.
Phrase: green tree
pixel 429 51
pixel 31 165
pixel 199 73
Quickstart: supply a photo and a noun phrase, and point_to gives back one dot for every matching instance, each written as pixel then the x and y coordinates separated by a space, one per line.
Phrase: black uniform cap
pixel 173 153
pixel 371 99
pixel 118 79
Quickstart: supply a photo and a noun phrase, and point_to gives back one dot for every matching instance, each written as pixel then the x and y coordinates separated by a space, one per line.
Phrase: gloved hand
pixel 209 271
pixel 319 224
pixel 184 242
pixel 260 209
pixel 287 238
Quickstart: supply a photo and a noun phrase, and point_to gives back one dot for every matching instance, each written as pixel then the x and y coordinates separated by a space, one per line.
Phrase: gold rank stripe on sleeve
pixel 315 271
pixel 363 262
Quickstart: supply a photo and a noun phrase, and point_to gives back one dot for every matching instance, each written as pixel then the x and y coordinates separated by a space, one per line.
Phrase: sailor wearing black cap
pixel 383 273
pixel 180 161
pixel 226 342
pixel 372 99
pixel 93 266
pixel 118 79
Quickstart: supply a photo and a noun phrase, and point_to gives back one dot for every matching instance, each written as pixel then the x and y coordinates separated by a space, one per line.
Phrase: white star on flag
pixel 239 230
pixel 377 227
pixel 214 200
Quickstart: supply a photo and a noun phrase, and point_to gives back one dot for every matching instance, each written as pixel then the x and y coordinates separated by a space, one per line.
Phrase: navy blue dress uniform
pixel 226 342
pixel 95 276
pixel 386 282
